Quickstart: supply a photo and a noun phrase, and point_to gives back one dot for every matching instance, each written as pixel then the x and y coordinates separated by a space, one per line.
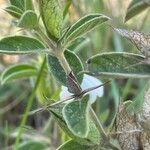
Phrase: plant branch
pixel 98 124
pixel 29 105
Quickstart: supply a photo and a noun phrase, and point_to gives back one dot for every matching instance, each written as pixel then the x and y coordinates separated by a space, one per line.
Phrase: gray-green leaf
pixel 93 137
pixel 28 20
pixel 18 3
pixel 83 26
pixel 75 114
pixel 135 7
pixel 20 45
pixel 32 145
pixel 18 71
pixel 14 11
pixel 73 145
pixel 119 65
pixel 58 71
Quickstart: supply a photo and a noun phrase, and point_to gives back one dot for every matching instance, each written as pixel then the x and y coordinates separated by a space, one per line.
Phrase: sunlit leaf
pixel 28 4
pixel 52 16
pixel 118 65
pixel 84 25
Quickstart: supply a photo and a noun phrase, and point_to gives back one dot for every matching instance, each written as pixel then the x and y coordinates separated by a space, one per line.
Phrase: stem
pixel 98 124
pixel 29 105
pixel 60 55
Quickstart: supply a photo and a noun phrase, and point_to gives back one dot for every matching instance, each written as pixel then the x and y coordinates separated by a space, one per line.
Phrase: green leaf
pixel 118 65
pixel 136 7
pixel 28 20
pixel 93 137
pixel 58 71
pixel 83 26
pixel 14 11
pixel 18 3
pixel 18 71
pixel 78 44
pixel 28 5
pixel 32 145
pixel 73 145
pixel 20 45
pixel 75 114
pixel 52 16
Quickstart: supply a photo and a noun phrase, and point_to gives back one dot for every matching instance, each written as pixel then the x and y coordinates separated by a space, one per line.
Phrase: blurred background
pixel 14 95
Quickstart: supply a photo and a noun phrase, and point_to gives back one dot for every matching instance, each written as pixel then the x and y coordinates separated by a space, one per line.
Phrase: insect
pixel 140 40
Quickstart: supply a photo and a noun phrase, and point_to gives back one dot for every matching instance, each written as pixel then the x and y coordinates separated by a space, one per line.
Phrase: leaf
pixel 28 4
pixel 14 11
pixel 78 44
pixel 32 145
pixel 73 145
pixel 136 7
pixel 52 16
pixel 118 65
pixel 18 3
pixel 57 70
pixel 75 114
pixel 93 137
pixel 20 45
pixel 83 26
pixel 18 71
pixel 28 20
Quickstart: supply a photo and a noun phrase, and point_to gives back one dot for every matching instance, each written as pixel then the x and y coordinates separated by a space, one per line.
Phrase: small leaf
pixel 93 137
pixel 32 145
pixel 118 65
pixel 18 71
pixel 20 45
pixel 52 16
pixel 57 70
pixel 14 11
pixel 18 3
pixel 28 20
pixel 75 114
pixel 83 26
pixel 28 5
pixel 73 145
pixel 136 7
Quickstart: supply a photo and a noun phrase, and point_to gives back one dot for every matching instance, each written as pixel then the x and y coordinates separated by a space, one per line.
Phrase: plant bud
pixel 52 17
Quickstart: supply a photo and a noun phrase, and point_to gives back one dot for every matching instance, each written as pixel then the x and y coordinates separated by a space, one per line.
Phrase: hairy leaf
pixel 93 137
pixel 83 26
pixel 28 20
pixel 75 114
pixel 58 71
pixel 136 7
pixel 18 3
pixel 52 17
pixel 20 45
pixel 18 71
pixel 14 11
pixel 118 65
pixel 73 145
pixel 32 145
pixel 28 4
